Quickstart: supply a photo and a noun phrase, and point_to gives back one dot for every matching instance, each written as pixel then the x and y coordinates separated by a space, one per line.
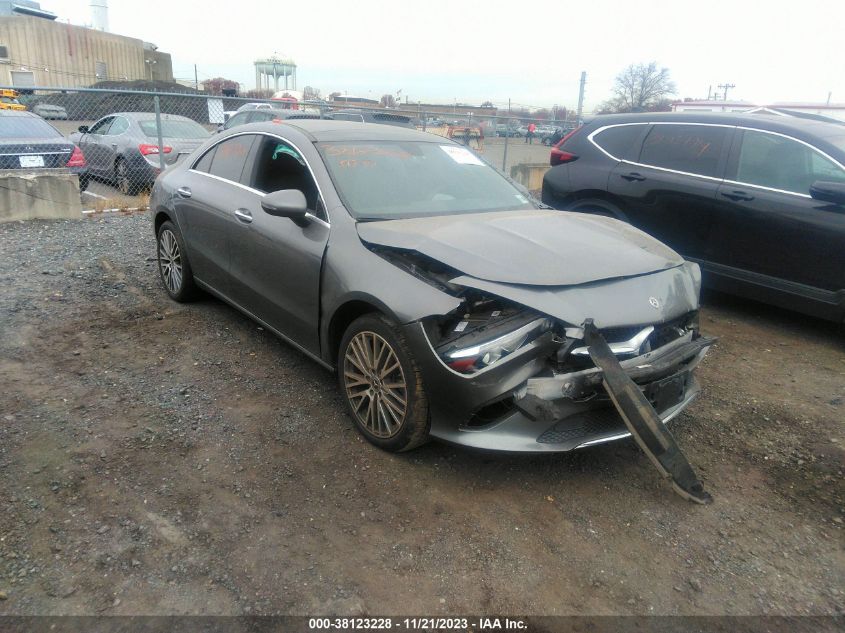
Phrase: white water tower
pixel 100 15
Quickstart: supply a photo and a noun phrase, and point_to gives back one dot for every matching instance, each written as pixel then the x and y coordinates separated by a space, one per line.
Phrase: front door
pixel 767 222
pixel 276 264
pixel 91 144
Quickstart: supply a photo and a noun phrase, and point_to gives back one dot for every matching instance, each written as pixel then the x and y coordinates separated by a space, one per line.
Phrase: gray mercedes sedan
pixel 450 304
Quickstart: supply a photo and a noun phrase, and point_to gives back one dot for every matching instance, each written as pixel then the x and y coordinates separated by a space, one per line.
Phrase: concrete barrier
pixel 530 175
pixel 45 196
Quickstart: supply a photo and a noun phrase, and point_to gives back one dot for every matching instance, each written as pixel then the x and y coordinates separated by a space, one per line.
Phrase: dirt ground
pixel 158 458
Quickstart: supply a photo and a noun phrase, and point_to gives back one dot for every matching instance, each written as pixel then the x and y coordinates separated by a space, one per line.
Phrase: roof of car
pixel 762 121
pixel 322 130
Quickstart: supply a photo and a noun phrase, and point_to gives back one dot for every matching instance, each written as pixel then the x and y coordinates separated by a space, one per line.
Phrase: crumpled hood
pixel 544 248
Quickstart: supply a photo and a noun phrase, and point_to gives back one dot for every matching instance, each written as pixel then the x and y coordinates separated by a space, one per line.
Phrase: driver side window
pixel 280 166
pixel 102 127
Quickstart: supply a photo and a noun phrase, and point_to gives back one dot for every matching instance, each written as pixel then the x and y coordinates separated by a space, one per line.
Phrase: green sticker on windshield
pixel 284 149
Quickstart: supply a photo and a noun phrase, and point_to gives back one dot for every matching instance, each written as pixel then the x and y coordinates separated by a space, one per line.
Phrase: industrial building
pixel 38 50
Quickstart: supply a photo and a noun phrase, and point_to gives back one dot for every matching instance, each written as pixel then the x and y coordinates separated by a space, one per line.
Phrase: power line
pixel 725 87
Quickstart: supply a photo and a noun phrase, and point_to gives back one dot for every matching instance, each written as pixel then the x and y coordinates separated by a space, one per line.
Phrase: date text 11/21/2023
pixel 417 624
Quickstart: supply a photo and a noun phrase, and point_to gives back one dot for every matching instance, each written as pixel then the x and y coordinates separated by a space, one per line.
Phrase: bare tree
pixel 220 85
pixel 310 93
pixel 639 88
pixel 388 101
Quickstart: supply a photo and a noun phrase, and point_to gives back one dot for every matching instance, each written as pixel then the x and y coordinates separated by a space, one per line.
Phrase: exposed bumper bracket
pixel 642 420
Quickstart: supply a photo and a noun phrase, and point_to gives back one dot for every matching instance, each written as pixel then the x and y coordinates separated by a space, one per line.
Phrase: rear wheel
pixel 382 385
pixel 173 266
pixel 123 178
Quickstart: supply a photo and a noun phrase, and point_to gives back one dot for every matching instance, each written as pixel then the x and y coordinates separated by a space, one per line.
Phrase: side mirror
pixel 220 128
pixel 83 129
pixel 828 191
pixel 287 203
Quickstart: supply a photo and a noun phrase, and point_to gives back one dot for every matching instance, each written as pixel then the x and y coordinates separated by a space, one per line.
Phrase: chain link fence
pixel 117 142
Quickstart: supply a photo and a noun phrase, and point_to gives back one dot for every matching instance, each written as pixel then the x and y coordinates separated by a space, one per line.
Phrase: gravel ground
pixel 158 458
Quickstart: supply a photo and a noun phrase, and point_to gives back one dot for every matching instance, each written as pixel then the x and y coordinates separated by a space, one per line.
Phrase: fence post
pixel 158 130
pixel 505 155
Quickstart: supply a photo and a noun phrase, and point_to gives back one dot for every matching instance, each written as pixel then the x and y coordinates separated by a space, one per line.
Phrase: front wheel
pixel 382 385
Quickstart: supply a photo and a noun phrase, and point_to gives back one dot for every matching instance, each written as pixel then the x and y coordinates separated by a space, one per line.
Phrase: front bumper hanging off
pixel 642 420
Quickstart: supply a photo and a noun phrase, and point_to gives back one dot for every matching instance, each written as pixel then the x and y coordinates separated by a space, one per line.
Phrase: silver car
pixel 123 147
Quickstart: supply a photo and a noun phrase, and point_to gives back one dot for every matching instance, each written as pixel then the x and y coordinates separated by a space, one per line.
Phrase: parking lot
pixel 166 458
pixel 102 194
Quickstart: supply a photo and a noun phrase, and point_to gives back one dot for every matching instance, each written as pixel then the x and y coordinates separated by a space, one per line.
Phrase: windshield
pixel 174 129
pixel 400 179
pixel 9 100
pixel 26 127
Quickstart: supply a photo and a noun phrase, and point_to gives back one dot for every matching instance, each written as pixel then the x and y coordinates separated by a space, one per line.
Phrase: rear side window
pixel 777 162
pixel 694 149
pixel 230 157
pixel 619 141
pixel 238 119
pixel 204 163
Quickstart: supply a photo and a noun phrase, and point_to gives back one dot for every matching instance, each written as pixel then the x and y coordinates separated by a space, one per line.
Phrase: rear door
pixel 669 188
pixel 768 225
pixel 207 196
pixel 276 264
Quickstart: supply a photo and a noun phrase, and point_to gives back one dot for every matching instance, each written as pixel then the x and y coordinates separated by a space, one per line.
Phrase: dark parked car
pixel 450 305
pixel 262 115
pixel 50 111
pixel 368 116
pixel 758 201
pixel 28 142
pixel 553 137
pixel 507 130
pixel 123 147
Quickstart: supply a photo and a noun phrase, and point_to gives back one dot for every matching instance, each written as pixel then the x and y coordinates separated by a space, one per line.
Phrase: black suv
pixel 757 200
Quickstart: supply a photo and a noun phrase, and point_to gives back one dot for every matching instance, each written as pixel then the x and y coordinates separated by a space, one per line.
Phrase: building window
pixel 101 70
pixel 4 52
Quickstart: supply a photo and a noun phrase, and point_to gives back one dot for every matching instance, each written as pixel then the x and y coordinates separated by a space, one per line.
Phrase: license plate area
pixel 666 393
pixel 31 161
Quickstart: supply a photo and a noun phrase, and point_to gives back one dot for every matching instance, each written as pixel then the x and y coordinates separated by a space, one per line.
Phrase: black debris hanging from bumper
pixel 642 420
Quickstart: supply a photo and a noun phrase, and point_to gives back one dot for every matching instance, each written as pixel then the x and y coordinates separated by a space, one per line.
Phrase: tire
pixel 173 266
pixel 84 181
pixel 375 401
pixel 123 179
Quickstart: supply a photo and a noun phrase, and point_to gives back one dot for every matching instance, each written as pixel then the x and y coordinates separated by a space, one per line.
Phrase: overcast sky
pixel 532 51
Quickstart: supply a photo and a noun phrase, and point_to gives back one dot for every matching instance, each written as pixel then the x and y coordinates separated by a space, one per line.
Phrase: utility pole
pixel 726 87
pixel 581 97
pixel 196 81
pixel 709 92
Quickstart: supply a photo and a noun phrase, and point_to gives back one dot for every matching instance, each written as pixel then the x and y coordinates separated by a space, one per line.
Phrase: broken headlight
pixel 469 355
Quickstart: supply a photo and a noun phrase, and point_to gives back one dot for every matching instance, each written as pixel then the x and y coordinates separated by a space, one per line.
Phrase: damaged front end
pixel 506 376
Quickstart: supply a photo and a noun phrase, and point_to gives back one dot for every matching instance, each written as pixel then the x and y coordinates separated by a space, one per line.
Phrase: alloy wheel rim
pixel 375 384
pixel 170 261
pixel 122 178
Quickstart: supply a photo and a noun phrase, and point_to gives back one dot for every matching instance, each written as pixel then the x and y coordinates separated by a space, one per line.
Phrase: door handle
pixel 738 195
pixel 184 192
pixel 633 176
pixel 243 215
